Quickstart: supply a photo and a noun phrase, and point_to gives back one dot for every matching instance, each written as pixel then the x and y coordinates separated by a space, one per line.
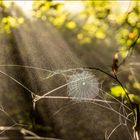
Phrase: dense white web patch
pixel 83 85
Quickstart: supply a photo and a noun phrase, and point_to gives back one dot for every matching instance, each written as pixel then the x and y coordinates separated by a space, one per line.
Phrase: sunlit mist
pixel 26 6
pixel 69 69
pixel 124 6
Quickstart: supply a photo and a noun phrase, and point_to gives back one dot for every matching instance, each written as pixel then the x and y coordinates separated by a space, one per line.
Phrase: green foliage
pixel 7 22
pixel 136 85
pixel 94 21
pixel 117 91
pixel 134 98
pixel 50 10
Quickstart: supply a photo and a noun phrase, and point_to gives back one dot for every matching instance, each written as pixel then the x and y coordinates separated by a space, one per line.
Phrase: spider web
pixel 102 101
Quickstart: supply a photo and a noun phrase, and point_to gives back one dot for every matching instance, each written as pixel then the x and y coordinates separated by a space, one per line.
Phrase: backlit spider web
pixel 83 85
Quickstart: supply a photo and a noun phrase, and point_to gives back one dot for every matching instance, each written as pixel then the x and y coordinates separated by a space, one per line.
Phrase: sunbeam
pixel 26 6
pixel 62 72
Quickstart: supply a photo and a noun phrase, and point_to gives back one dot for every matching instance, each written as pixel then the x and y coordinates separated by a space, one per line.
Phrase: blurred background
pixel 42 36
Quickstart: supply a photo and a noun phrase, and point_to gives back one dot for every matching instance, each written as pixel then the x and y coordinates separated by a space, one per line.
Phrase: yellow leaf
pixel 71 25
pixel 136 85
pixel 118 91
